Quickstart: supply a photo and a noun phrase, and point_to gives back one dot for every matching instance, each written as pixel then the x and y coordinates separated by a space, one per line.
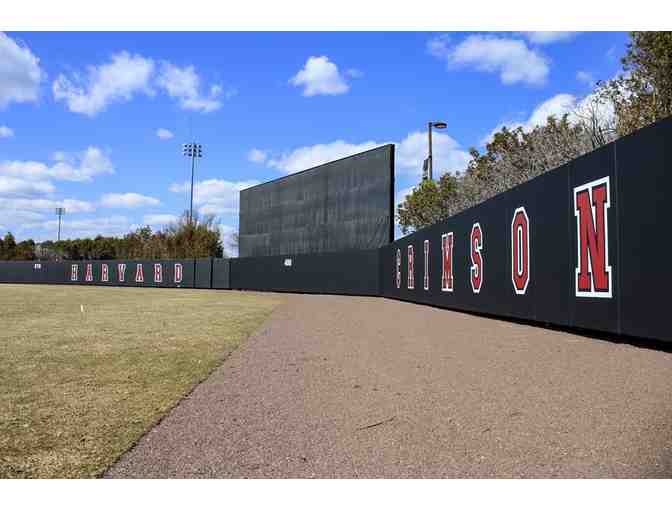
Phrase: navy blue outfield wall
pixel 220 273
pixel 354 272
pixel 574 247
pixel 580 246
pixel 125 273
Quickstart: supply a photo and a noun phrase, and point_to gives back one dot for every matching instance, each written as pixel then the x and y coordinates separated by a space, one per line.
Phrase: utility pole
pixel 60 211
pixel 193 151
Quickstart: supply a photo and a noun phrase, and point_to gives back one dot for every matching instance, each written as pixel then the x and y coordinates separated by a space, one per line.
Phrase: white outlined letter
pixel 411 268
pixel 447 262
pixel 520 250
pixel 476 247
pixel 593 272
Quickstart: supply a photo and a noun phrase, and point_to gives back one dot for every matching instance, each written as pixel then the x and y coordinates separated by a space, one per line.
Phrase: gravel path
pixel 339 386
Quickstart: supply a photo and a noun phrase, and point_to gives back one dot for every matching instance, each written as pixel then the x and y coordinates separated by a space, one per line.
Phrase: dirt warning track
pixel 336 386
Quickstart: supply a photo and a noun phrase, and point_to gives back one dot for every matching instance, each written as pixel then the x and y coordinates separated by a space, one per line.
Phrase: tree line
pixel 640 95
pixel 182 239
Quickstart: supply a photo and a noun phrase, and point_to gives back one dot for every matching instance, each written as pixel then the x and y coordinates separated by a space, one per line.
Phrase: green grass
pixel 77 389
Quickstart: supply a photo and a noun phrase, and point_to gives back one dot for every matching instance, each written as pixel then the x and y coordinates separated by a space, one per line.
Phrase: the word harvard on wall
pixel 125 274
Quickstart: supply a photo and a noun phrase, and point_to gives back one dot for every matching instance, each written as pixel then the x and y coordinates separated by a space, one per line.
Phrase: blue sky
pixel 80 113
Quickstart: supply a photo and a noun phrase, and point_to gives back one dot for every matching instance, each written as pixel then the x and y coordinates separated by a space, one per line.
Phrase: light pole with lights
pixel 430 125
pixel 193 151
pixel 60 211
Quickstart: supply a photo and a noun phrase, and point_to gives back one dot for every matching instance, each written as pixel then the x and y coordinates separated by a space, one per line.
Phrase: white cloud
pixel 20 73
pixel 159 220
pixel 126 76
pixel 116 81
pixel 164 134
pixel 257 156
pixel 439 46
pixel 31 213
pixel 18 185
pixel 512 59
pixel 83 166
pixel 410 154
pixel 87 227
pixel 184 84
pixel 447 155
pixel 215 196
pixel 585 77
pixel 549 37
pixel 19 217
pixel 320 76
pixel 557 106
pixel 46 205
pixel 314 155
pixel 34 177
pixel 127 200
pixel 6 132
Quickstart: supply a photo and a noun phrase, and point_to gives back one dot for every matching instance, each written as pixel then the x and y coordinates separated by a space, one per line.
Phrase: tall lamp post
pixel 430 125
pixel 193 151
pixel 60 211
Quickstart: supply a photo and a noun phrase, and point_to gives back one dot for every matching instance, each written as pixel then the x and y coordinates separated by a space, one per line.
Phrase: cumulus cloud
pixel 34 177
pixel 184 85
pixel 6 132
pixel 557 106
pixel 117 81
pixel 126 76
pixel 20 73
pixel 549 37
pixel 159 220
pixel 410 154
pixel 84 227
pixel 127 200
pixel 13 185
pixel 257 156
pixel 46 205
pixel 447 155
pixel 215 196
pixel 512 59
pixel 320 76
pixel 164 134
pixel 82 166
pixel 306 157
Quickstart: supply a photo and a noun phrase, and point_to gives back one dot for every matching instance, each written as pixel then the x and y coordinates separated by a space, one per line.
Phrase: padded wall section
pixel 132 273
pixel 220 273
pixel 203 273
pixel 353 272
pixel 644 170
pixel 587 257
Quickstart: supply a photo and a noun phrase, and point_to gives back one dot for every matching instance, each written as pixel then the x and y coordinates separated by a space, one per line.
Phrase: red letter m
pixel 593 272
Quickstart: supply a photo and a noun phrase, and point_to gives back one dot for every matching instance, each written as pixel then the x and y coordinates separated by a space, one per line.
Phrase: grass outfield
pixel 77 389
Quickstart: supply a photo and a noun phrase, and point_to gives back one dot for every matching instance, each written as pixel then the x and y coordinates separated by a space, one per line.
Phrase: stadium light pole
pixel 60 211
pixel 430 125
pixel 193 151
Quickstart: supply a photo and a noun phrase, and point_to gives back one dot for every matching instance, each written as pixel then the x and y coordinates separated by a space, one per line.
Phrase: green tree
pixel 428 203
pixel 511 158
pixel 8 247
pixel 198 238
pixel 642 94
